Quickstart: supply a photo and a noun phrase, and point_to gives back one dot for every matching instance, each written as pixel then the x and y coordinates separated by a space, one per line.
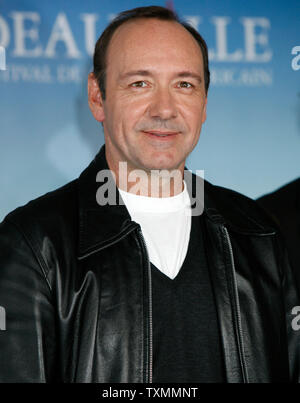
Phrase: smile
pixel 161 135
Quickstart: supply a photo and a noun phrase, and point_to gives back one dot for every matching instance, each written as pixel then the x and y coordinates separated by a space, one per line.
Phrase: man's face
pixel 155 95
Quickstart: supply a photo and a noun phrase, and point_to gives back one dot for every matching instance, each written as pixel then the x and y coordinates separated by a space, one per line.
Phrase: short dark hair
pixel 157 12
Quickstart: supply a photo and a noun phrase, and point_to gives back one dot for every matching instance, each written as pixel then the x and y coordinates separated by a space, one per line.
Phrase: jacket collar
pixel 100 226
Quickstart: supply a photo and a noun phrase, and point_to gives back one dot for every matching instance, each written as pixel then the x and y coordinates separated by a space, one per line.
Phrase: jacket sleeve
pixel 27 320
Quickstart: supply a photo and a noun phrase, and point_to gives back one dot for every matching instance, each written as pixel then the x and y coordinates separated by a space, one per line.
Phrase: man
pixel 284 206
pixel 145 289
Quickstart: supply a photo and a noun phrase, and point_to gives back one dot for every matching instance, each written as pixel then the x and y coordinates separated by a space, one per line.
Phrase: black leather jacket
pixel 75 283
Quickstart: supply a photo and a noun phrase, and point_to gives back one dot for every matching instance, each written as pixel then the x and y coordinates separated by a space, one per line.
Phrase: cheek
pixel 133 111
pixel 194 117
pixel 199 112
pixel 123 117
pixel 137 103
pixel 130 105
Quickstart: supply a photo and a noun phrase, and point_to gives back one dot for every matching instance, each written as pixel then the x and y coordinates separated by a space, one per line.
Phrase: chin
pixel 161 165
pixel 164 161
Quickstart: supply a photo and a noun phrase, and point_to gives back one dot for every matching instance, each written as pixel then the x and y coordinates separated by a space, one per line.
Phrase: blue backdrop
pixel 250 141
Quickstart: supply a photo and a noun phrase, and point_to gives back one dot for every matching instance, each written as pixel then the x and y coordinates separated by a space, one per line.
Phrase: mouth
pixel 160 134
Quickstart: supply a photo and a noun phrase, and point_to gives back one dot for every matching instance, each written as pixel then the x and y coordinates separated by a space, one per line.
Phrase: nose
pixel 163 104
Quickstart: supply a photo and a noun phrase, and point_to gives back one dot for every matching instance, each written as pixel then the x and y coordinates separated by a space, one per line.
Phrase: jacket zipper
pixel 237 310
pixel 150 344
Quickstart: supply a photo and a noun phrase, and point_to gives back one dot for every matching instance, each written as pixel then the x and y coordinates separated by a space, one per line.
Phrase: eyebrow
pixel 147 73
pixel 188 74
pixel 135 73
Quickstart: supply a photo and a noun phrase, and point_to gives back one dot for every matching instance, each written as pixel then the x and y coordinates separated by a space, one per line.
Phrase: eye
pixel 185 84
pixel 139 84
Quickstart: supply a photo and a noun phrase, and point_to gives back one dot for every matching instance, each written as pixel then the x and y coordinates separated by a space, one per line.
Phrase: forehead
pixel 154 42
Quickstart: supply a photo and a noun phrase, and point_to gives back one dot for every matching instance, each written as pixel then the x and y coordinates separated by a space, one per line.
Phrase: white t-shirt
pixel 166 225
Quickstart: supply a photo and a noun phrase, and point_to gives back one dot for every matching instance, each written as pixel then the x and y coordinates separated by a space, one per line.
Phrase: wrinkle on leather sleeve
pixel 27 320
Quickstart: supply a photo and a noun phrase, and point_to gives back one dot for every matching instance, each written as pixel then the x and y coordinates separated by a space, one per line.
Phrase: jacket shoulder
pixel 283 200
pixel 47 214
pixel 48 203
pixel 240 211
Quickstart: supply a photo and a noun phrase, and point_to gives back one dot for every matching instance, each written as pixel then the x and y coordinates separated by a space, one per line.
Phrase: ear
pixel 95 98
